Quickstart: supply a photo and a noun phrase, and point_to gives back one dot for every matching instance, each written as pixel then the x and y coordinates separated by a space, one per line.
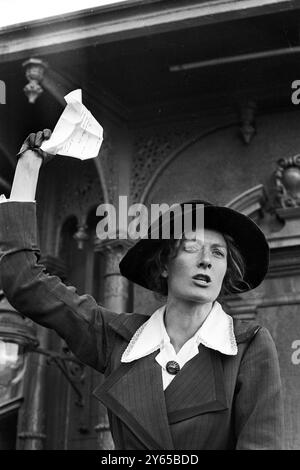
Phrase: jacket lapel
pixel 198 388
pixel 134 393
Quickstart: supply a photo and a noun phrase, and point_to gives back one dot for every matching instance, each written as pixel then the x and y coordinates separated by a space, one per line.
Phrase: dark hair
pixel 233 280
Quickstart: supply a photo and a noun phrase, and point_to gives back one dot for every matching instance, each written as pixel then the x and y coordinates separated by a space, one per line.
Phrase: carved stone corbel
pixel 287 180
pixel 287 187
pixel 248 125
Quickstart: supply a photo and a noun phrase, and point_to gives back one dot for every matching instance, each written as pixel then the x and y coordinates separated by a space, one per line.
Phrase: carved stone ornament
pixel 34 71
pixel 116 248
pixel 287 180
pixel 152 147
pixel 81 236
pixel 248 126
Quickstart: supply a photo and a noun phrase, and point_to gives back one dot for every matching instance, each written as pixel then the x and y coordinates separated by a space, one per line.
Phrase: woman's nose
pixel 204 259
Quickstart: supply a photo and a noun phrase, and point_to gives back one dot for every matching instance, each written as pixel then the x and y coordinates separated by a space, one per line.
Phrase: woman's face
pixel 197 272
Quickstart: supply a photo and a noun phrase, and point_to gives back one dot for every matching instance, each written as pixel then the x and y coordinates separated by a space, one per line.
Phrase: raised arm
pixel 28 166
pixel 44 298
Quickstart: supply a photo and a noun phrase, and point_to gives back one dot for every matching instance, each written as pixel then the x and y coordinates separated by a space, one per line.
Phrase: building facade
pixel 197 100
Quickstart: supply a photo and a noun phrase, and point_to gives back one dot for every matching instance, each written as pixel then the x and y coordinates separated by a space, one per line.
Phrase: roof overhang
pixel 126 20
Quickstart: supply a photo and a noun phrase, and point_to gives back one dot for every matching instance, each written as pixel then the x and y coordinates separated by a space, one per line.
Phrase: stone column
pixel 116 288
pixel 117 297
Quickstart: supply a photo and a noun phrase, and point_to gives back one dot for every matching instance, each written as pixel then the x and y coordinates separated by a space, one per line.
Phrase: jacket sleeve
pixel 79 320
pixel 258 401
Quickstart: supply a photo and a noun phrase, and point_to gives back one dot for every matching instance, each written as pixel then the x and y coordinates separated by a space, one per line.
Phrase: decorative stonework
pixel 82 191
pixel 81 236
pixel 152 147
pixel 285 262
pixel 116 249
pixel 251 203
pixel 34 71
pixel 287 179
pixel 248 125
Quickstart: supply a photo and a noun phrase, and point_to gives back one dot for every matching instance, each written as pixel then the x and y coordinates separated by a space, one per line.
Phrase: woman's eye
pixel 191 248
pixel 219 253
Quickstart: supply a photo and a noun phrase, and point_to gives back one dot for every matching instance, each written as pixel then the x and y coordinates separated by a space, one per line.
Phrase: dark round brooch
pixel 172 367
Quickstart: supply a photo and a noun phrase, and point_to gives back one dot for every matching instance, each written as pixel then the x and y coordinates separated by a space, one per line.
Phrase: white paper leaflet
pixel 77 133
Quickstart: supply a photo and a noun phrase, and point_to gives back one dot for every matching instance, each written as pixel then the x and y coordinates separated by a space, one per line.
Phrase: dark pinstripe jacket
pixel 214 402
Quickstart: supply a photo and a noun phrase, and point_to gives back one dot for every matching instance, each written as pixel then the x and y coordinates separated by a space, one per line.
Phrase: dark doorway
pixel 8 431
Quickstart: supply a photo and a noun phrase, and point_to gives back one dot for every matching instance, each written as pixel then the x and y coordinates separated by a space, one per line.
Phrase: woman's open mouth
pixel 202 279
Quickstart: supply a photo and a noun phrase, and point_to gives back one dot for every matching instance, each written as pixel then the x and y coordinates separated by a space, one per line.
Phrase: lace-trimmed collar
pixel 216 332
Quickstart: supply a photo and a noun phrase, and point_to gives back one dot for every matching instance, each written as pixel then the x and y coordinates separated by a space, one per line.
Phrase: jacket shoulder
pixel 245 330
pixel 126 324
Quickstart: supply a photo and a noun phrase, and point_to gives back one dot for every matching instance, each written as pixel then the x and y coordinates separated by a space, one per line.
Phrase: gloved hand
pixel 33 142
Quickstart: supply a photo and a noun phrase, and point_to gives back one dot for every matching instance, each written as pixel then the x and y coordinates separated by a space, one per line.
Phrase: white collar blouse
pixel 216 333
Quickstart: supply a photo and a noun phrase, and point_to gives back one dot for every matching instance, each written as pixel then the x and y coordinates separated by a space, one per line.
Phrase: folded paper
pixel 77 133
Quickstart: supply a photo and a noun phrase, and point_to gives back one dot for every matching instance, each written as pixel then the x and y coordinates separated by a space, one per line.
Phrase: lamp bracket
pixel 61 360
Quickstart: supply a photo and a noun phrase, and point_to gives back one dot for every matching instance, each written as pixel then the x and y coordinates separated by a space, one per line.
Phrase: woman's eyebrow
pixel 213 245
pixel 194 238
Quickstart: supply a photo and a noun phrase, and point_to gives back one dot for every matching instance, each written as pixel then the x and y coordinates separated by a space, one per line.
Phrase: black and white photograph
pixel 149 227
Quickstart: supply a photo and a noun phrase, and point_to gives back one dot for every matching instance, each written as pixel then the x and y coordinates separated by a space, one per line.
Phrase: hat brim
pixel 247 235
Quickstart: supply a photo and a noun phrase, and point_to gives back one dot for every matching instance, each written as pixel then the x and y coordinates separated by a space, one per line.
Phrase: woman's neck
pixel 183 319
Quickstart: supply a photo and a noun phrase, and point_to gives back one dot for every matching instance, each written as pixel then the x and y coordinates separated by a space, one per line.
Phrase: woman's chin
pixel 201 297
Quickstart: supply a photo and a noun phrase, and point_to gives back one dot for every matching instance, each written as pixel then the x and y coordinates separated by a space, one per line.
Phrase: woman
pixel 188 377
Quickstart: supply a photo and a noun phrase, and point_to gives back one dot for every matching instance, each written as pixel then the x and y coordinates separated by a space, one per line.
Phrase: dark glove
pixel 34 141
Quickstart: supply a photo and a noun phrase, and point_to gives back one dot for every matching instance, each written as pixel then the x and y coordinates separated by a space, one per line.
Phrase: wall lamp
pixel 34 71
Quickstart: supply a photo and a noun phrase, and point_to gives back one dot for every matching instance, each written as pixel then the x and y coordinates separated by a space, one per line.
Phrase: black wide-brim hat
pixel 248 237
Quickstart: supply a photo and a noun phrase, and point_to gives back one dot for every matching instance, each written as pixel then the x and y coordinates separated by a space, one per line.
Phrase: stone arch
pixel 250 202
pixel 215 163
pixel 173 155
